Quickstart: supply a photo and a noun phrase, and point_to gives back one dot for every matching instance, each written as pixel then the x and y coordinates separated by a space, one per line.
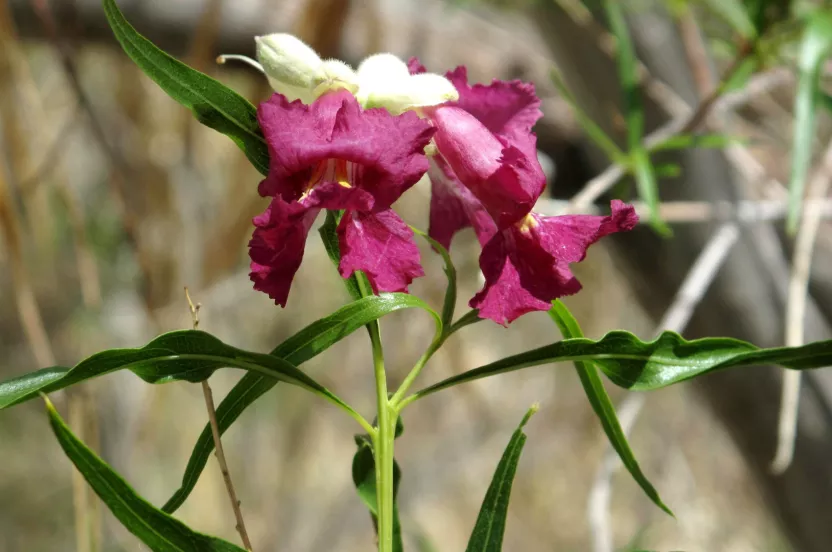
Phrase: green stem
pixel 383 438
pixel 383 451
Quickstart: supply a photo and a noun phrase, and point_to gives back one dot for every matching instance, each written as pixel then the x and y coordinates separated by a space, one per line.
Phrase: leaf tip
pixel 531 412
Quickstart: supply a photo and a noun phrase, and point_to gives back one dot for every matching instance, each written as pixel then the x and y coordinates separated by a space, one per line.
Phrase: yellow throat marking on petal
pixel 527 223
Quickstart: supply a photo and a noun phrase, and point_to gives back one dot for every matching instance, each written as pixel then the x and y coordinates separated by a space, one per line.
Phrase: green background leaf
pixel 159 531
pixel 212 103
pixel 817 40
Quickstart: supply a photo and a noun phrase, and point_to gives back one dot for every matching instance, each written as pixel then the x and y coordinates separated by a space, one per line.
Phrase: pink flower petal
pixel 453 207
pixel 506 108
pixel 503 177
pixel 526 268
pixel 415 66
pixel 381 245
pixel 277 246
pixel 386 152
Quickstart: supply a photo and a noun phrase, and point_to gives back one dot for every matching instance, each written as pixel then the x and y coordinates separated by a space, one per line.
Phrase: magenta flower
pixel 334 155
pixel 487 175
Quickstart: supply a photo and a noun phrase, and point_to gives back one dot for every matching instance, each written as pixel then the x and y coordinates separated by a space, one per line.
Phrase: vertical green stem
pixel 383 440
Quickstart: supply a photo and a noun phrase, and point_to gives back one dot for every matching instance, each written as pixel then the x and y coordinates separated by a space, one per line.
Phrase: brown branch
pixel 215 430
pixel 796 313
pixel 118 164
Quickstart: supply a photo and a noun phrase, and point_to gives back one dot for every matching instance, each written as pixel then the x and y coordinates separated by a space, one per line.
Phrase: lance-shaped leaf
pixel 189 355
pixel 156 529
pixel 817 41
pixel 641 366
pixel 212 103
pixel 487 535
pixel 602 405
pixel 301 347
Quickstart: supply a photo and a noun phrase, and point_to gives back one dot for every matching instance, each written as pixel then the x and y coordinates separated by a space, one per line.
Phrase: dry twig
pixel 693 288
pixel 215 430
pixel 796 313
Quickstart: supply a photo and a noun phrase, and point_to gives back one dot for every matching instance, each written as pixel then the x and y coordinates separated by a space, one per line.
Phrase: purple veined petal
pixel 382 246
pixel 504 178
pixel 526 266
pixel 277 246
pixel 386 152
pixel 453 207
pixel 507 108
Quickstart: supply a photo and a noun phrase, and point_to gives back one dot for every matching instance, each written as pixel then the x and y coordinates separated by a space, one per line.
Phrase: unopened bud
pixel 289 62
pixel 337 76
pixel 422 90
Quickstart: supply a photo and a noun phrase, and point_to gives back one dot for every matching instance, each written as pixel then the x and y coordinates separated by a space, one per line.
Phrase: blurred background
pixel 112 198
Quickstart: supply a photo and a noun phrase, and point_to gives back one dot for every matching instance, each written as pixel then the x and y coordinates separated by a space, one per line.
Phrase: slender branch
pixel 681 124
pixel 117 162
pixel 690 293
pixel 215 431
pixel 742 211
pixel 796 313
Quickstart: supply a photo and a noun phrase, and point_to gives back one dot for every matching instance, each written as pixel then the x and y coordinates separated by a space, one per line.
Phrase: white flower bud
pixel 422 90
pixel 290 62
pixel 338 75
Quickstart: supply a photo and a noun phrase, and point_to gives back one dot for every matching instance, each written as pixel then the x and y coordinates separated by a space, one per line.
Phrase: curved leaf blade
pixel 189 355
pixel 212 103
pixel 304 345
pixel 487 535
pixel 602 405
pixel 156 529
pixel 817 41
pixel 642 366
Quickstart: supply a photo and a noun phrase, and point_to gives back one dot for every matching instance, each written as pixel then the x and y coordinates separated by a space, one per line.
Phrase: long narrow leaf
pixel 156 529
pixel 634 113
pixel 602 405
pixel 817 40
pixel 212 103
pixel 188 355
pixel 487 535
pixel 303 346
pixel 641 366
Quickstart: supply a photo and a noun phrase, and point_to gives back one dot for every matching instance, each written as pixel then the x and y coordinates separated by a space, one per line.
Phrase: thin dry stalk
pixel 686 212
pixel 690 293
pixel 119 167
pixel 796 313
pixel 683 123
pixel 696 53
pixel 27 306
pixel 215 430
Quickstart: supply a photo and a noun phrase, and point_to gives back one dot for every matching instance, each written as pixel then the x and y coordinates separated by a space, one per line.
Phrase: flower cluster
pixel 357 140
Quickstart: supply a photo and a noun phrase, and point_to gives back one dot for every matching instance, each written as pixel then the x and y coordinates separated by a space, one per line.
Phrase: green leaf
pixel 590 127
pixel 301 347
pixel 329 236
pixel 188 355
pixel 734 12
pixel 686 141
pixel 667 170
pixel 212 103
pixel 817 40
pixel 634 114
pixel 487 535
pixel 642 366
pixel 364 478
pixel 156 529
pixel 602 405
pixel 648 188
